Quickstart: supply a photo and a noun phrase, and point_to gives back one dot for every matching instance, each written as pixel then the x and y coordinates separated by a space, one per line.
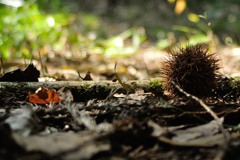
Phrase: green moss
pixel 228 89
pixel 235 85
pixel 89 91
pixel 156 86
pixel 107 88
pixel 86 87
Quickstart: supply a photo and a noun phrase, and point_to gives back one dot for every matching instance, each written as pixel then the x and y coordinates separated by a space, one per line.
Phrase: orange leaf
pixel 53 96
pixel 33 98
pixel 44 96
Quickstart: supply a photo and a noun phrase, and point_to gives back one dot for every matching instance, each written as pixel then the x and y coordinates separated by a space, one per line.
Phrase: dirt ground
pixel 95 122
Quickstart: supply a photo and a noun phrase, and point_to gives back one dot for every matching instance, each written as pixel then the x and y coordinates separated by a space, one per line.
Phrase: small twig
pixel 110 95
pixel 207 108
pixel 79 75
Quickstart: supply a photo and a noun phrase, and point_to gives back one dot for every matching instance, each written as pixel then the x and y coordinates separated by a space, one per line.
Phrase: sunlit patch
pixel 236 51
pixel 50 21
pixel 193 17
pixel 13 3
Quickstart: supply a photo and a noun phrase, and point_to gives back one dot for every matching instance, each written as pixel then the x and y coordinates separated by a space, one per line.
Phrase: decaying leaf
pixel 209 141
pixel 206 135
pixel 160 131
pixel 21 121
pixel 44 96
pixel 70 145
pixel 204 130
pixel 87 77
pixel 30 74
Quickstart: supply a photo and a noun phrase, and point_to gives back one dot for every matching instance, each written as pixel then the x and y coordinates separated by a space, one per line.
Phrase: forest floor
pixel 98 119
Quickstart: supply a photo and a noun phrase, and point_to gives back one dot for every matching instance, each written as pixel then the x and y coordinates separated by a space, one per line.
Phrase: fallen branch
pixel 81 90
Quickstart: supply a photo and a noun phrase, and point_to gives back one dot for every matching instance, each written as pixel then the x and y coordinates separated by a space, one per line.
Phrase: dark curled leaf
pixel 11 76
pixel 30 74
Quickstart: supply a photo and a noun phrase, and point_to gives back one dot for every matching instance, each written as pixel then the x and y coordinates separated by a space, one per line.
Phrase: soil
pixel 116 125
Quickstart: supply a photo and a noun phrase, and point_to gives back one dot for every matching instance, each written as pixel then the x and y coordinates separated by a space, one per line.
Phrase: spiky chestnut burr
pixel 191 68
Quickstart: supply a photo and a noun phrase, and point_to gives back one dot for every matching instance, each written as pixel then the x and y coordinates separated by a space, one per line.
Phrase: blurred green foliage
pixel 123 44
pixel 25 30
pixel 113 28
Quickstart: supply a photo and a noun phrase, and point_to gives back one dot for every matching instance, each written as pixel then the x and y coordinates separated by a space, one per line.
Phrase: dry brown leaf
pixel 75 146
pixel 206 135
pixel 44 96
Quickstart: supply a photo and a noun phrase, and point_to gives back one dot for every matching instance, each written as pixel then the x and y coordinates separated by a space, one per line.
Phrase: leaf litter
pixel 130 126
pixel 123 125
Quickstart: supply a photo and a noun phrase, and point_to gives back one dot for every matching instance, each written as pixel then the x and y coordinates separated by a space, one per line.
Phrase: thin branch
pixel 207 108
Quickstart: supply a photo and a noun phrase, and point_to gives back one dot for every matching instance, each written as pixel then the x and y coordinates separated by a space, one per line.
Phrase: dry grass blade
pixel 125 86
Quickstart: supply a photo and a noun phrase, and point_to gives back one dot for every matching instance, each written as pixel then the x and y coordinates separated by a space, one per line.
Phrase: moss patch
pixel 156 86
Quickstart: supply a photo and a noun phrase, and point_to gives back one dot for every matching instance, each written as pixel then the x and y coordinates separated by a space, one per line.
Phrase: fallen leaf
pixel 21 121
pixel 44 96
pixel 159 130
pixel 210 141
pixel 204 130
pixel 69 145
pixel 87 77
pixel 206 135
pixel 30 74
